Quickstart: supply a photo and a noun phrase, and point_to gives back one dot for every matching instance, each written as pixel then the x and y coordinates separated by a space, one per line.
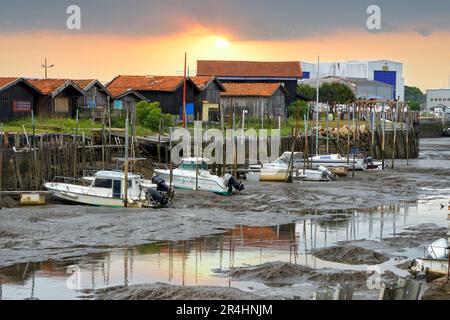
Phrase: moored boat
pixel 107 188
pixel 277 171
pixel 193 174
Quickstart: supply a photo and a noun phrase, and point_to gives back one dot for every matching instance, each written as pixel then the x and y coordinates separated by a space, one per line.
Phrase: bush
pixel 149 115
pixel 414 106
pixel 298 108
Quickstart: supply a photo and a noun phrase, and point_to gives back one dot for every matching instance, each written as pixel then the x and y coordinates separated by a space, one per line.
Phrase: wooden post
pixel 159 140
pixel 328 135
pixel 1 163
pixel 305 151
pixel 35 165
pixel 348 135
pixel 372 125
pixel 383 138
pixel 171 163
pixel 395 133
pixel 407 136
pixel 290 172
pixel 103 139
pixel 224 156
pixel 75 141
pixel 125 193
pixel 184 92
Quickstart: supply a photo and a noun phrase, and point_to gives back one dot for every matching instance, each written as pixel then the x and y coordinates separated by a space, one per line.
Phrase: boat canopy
pixel 115 175
pixel 196 160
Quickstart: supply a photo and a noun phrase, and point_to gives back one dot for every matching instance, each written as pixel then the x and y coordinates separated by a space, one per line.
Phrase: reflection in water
pixel 200 261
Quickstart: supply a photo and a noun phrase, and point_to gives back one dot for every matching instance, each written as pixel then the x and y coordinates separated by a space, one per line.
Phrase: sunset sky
pixel 150 37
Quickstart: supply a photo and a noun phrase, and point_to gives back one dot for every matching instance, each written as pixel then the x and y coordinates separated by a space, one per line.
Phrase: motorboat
pixel 336 160
pixel 435 261
pixel 193 174
pixel 107 188
pixel 277 171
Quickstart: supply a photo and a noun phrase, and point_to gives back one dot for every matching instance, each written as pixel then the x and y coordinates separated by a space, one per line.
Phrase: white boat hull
pixel 76 195
pixel 430 266
pixel 280 174
pixel 187 181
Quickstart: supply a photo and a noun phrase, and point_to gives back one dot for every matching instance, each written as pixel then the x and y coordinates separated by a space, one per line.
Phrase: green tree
pixel 414 106
pixel 298 108
pixel 306 92
pixel 414 94
pixel 335 93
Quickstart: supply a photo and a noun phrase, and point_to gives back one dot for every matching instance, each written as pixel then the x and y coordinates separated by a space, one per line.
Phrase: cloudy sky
pixel 151 36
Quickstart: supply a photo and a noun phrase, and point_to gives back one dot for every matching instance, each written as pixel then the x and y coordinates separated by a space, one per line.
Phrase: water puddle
pixel 203 261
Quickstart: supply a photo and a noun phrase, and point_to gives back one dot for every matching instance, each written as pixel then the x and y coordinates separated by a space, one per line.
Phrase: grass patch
pixel 64 125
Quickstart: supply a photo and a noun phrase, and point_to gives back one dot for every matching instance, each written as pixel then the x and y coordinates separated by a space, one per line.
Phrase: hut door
pixel 62 105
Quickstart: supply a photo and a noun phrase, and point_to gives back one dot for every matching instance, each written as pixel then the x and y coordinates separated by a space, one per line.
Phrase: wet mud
pixel 160 291
pixel 58 232
pixel 350 255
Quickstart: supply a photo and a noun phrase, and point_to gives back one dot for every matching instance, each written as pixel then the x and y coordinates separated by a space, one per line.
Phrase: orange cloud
pixel 76 55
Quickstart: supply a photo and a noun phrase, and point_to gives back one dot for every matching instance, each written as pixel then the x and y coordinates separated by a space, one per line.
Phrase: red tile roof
pixel 84 83
pixel 7 80
pixel 201 81
pixel 144 83
pixel 47 86
pixel 287 69
pixel 251 89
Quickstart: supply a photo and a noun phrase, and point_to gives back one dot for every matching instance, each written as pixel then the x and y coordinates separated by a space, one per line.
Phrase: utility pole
pixel 317 105
pixel 46 67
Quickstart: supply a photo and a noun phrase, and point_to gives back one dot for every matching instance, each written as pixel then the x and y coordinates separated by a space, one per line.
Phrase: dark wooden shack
pixel 207 99
pixel 96 98
pixel 167 90
pixel 17 98
pixel 287 73
pixel 125 101
pixel 58 97
pixel 258 99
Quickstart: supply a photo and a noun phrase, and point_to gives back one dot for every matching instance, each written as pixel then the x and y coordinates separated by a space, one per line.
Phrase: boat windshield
pixel 191 166
pixel 286 158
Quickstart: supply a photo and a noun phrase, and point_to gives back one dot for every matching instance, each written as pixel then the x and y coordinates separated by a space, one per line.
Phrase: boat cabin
pixel 113 182
pixel 192 164
pixel 286 159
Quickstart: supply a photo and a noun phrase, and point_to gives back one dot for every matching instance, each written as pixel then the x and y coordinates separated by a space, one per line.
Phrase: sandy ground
pixel 58 231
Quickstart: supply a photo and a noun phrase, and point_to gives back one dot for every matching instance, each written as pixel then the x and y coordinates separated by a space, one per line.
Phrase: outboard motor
pixel 157 198
pixel 368 161
pixel 160 197
pixel 160 183
pixel 328 174
pixel 231 183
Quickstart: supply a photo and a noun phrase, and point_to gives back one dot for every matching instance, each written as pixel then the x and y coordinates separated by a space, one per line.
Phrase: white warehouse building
pixel 438 99
pixel 386 71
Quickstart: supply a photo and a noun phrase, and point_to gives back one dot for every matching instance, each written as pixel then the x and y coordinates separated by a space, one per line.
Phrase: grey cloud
pixel 245 19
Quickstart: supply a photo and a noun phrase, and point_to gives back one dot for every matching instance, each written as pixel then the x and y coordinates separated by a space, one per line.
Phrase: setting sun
pixel 222 43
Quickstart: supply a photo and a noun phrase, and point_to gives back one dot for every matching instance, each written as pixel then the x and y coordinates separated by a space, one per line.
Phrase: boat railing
pixel 66 180
pixel 161 166
pixel 89 173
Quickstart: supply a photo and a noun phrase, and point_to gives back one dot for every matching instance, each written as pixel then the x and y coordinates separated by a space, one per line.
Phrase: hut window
pixel 118 104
